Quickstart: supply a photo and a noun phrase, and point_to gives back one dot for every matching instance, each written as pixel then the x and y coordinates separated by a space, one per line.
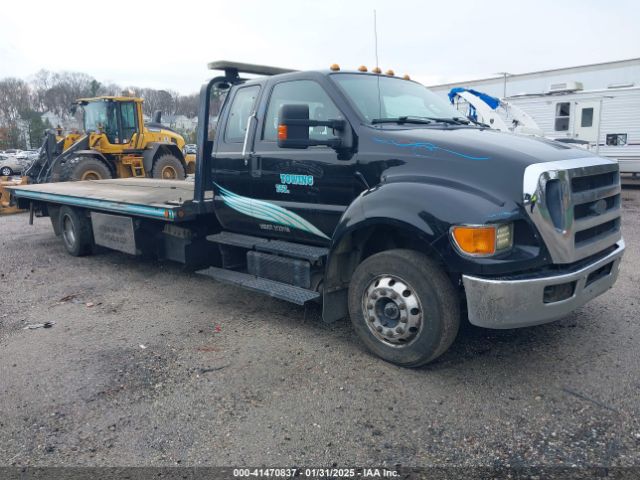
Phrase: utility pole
pixel 504 87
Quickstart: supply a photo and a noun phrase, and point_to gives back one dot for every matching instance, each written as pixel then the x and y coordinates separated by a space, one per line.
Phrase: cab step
pixel 289 293
pixel 279 247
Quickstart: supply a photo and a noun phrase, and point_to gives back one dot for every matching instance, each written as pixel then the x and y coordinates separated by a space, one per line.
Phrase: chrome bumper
pixel 520 303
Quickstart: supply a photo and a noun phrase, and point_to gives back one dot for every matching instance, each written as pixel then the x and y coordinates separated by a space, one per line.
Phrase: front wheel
pixel 5 172
pixel 84 168
pixel 404 307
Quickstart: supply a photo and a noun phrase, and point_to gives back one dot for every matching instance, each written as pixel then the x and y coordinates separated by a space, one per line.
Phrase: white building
pixel 598 104
pixel 593 77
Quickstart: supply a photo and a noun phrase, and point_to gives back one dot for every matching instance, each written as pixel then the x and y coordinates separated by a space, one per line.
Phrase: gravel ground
pixel 150 365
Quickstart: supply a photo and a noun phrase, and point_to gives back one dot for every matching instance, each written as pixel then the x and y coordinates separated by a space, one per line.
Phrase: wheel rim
pixel 5 172
pixel 68 231
pixel 392 310
pixel 91 175
pixel 169 173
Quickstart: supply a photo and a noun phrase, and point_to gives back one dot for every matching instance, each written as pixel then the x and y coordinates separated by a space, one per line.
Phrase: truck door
pixel 230 168
pixel 586 122
pixel 304 191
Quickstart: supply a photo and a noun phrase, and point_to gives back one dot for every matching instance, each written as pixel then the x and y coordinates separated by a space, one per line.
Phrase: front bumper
pixel 508 303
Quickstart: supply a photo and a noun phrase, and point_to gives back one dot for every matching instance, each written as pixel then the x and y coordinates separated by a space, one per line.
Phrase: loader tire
pixel 76 232
pixel 84 168
pixel 168 167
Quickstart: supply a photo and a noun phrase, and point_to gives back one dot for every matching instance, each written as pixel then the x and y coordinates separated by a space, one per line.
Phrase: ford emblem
pixel 599 207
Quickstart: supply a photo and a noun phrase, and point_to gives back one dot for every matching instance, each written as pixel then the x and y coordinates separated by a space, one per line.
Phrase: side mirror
pixel 73 109
pixel 157 116
pixel 293 128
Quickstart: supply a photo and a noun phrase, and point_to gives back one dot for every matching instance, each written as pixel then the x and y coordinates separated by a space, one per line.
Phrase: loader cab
pixel 117 118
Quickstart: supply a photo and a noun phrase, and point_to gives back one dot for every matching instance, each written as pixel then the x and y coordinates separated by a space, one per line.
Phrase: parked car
pixel 189 148
pixel 9 165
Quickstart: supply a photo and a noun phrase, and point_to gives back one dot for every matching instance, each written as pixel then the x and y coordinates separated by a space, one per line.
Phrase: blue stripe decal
pixel 420 149
pixel 101 204
pixel 269 212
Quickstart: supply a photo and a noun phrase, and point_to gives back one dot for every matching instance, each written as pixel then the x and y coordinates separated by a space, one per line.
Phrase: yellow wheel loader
pixel 115 143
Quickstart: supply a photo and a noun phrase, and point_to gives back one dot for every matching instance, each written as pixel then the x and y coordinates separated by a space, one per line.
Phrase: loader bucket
pixel 5 194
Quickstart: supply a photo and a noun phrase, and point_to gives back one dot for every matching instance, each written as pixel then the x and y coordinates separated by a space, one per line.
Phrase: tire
pixel 76 232
pixel 84 168
pixel 6 172
pixel 168 167
pixel 404 307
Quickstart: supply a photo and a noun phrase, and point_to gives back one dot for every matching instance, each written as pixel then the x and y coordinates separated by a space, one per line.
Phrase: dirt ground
pixel 149 365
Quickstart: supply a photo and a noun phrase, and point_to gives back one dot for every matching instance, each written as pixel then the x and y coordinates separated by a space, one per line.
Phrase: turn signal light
pixel 483 240
pixel 282 132
pixel 475 240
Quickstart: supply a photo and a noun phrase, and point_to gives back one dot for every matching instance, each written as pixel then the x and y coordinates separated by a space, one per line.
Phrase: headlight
pixel 482 240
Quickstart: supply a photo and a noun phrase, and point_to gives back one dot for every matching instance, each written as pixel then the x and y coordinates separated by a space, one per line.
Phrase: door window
pixel 563 111
pixel 308 92
pixel 586 119
pixel 128 115
pixel 239 113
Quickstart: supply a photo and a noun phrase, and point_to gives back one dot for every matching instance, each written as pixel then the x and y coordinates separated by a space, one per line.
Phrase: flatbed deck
pixel 170 200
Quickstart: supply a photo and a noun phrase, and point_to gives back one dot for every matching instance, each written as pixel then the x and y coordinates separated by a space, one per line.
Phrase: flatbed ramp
pixel 170 200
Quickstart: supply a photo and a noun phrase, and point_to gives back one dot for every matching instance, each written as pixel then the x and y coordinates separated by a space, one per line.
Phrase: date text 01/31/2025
pixel 315 472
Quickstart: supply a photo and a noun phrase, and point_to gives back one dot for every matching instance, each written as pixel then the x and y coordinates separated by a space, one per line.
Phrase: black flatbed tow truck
pixel 367 193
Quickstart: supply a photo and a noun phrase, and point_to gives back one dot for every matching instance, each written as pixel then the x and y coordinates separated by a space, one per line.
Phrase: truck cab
pixel 369 194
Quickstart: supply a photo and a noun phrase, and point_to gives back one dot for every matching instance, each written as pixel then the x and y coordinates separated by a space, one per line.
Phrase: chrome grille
pixel 575 204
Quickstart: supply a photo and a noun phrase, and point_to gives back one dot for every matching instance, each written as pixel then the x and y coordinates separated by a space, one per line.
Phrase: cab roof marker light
pixel 376 70
pixel 390 72
pixel 335 67
pixel 406 77
pixel 362 68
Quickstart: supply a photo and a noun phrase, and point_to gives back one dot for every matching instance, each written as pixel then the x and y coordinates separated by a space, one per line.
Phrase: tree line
pixel 22 103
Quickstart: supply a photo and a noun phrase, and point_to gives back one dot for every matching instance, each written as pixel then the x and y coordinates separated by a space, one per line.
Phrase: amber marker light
pixel 335 67
pixel 282 132
pixel 475 240
pixel 362 68
pixel 376 70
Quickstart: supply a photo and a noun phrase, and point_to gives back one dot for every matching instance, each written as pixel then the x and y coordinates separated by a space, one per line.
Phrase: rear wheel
pixel 404 307
pixel 168 167
pixel 75 229
pixel 84 168
pixel 5 172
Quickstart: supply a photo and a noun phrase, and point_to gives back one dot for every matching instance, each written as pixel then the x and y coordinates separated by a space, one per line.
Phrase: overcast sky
pixel 166 44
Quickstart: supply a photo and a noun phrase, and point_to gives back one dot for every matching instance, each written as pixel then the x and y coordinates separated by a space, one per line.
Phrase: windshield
pixel 100 115
pixel 380 97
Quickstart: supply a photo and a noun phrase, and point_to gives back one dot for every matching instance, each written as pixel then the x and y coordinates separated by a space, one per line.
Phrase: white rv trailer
pixel 609 119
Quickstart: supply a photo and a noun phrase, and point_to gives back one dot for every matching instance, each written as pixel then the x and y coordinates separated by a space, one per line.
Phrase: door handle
pixel 247 134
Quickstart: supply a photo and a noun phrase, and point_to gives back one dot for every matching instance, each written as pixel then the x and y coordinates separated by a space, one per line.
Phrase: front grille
pixel 593 233
pixel 590 182
pixel 575 206
pixel 589 209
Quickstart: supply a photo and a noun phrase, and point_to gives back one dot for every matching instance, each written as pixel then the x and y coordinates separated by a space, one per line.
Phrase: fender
pixel 420 212
pixel 154 149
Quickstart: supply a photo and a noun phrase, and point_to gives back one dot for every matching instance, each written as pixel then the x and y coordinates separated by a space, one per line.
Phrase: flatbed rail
pixel 169 200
